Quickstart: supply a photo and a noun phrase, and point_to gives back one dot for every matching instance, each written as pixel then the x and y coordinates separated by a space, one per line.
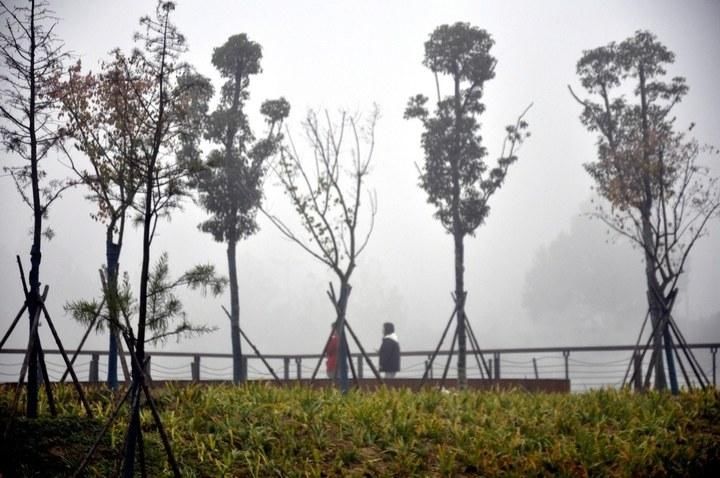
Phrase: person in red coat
pixel 331 349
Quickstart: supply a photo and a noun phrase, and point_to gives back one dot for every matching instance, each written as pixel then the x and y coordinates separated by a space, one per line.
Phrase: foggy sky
pixel 329 54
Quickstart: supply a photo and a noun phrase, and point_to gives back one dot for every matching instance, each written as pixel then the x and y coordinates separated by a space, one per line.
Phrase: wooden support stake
pixel 46 380
pixel 447 364
pixel 255 349
pixel 156 416
pixel 437 349
pixel 88 456
pixel 60 347
pixel 82 342
pixel 28 353
pixel 123 360
pixel 637 372
pixel 362 351
pixel 12 326
pixel 476 346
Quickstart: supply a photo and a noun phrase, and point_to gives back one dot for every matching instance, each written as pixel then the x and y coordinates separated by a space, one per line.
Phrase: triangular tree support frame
pixel 670 333
pixel 137 388
pixel 34 349
pixel 342 324
pixel 474 346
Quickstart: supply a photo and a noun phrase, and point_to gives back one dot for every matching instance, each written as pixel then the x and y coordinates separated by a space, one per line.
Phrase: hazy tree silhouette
pixel 455 174
pixel 659 193
pixel 230 180
pixel 32 58
pixel 579 281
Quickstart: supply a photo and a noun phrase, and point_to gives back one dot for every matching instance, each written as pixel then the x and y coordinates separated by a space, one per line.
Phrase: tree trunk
pixel 139 346
pixel 35 251
pixel 112 254
pixel 655 306
pixel 672 374
pixel 458 237
pixel 234 314
pixel 460 304
pixel 342 349
pixel 654 293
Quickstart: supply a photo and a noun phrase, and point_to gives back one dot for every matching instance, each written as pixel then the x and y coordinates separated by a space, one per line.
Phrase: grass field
pixel 260 430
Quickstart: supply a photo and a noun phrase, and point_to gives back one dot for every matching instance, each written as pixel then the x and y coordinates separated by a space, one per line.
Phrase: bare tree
pixel 32 57
pixel 329 194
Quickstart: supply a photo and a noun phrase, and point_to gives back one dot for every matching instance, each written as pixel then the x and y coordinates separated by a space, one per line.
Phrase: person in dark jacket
pixel 389 351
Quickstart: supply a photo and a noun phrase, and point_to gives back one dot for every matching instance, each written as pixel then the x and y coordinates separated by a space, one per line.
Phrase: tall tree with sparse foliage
pixel 230 180
pixel 332 200
pixel 32 58
pixel 659 193
pixel 173 109
pixel 455 174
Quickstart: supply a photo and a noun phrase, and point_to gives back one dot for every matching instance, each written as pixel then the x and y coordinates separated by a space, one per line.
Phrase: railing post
pixel 637 371
pixel 195 368
pixel 244 367
pixel 286 367
pixel 490 366
pixel 497 365
pixel 566 354
pixel 360 366
pixel 427 367
pixel 535 368
pixel 298 367
pixel 713 351
pixel 148 367
pixel 94 369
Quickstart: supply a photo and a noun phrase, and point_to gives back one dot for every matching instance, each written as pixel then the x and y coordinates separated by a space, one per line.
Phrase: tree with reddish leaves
pixel 658 191
pixel 104 116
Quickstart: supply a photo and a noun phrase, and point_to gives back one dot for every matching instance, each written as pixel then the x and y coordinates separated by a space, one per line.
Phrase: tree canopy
pixel 455 176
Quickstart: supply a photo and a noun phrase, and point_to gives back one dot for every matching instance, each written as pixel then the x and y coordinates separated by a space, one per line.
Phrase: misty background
pixel 539 272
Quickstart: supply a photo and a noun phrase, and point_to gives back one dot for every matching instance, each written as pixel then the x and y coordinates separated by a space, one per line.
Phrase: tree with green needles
pixel 174 110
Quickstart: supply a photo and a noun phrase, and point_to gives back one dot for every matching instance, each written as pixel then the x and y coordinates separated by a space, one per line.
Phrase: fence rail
pixel 585 366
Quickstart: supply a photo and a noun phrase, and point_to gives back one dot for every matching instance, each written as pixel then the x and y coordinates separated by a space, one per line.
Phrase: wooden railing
pixel 583 365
